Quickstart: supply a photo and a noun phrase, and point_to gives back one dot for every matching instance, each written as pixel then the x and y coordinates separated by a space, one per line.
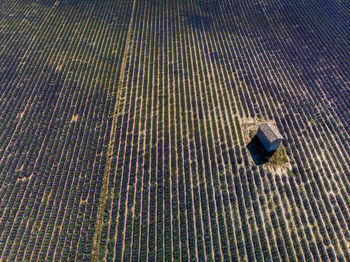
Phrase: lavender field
pixel 124 128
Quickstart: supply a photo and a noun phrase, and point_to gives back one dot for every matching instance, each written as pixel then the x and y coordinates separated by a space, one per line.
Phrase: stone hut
pixel 269 136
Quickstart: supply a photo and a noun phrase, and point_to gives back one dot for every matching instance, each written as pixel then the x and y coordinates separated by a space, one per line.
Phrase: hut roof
pixel 270 132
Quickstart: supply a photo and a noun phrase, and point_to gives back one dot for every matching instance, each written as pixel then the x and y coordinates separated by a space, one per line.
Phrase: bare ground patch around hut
pixel 276 161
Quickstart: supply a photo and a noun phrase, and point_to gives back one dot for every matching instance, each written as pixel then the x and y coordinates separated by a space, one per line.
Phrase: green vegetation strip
pixel 104 190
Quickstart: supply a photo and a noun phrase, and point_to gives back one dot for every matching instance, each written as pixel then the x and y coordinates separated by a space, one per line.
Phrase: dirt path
pixel 104 190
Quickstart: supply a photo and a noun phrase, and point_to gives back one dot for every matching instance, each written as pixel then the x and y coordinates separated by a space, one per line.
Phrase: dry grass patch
pixel 74 118
pixel 279 162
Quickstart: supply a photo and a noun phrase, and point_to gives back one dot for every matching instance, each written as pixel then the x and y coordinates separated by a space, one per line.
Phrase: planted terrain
pixel 124 128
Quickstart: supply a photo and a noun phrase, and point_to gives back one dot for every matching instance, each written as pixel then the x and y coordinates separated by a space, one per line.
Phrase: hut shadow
pixel 258 151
